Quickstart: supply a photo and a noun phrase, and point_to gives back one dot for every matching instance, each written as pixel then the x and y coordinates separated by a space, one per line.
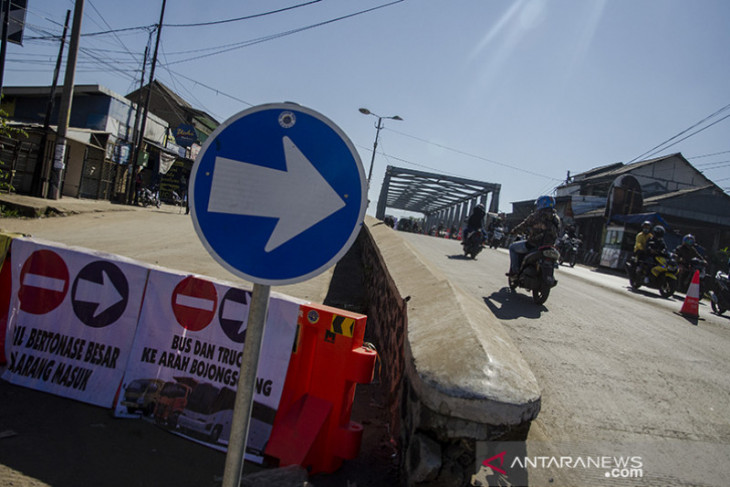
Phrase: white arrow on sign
pixel 105 294
pixel 299 197
pixel 235 311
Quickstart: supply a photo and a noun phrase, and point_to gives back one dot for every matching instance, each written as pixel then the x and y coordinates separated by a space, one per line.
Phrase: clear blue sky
pixel 510 92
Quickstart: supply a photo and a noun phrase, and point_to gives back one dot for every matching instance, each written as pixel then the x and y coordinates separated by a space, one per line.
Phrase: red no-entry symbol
pixel 194 302
pixel 43 282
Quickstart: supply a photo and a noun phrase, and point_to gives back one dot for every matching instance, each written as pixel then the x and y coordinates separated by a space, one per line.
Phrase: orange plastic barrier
pixel 312 427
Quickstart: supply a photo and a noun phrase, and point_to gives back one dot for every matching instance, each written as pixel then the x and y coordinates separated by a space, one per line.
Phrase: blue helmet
pixel 688 239
pixel 545 202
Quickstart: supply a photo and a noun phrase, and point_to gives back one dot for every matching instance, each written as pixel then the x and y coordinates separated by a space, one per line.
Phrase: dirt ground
pixel 47 440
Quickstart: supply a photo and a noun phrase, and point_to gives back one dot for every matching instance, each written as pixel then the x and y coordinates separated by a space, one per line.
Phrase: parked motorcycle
pixel 568 249
pixel 537 273
pixel 473 244
pixel 496 238
pixel 662 275
pixel 147 197
pixel 720 294
pixel 686 272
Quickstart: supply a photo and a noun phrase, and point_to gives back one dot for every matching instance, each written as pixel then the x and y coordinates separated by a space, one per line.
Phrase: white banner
pixel 186 358
pixel 72 320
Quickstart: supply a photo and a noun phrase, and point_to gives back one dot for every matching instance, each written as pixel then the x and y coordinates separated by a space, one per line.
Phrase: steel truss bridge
pixel 441 199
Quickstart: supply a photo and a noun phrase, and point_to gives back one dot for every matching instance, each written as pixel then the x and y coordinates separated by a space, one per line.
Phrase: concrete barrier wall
pixel 455 379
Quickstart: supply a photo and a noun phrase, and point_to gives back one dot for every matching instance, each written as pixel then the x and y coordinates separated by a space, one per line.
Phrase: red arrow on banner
pixel 194 302
pixel 43 282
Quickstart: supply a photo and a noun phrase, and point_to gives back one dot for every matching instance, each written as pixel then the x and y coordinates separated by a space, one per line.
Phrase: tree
pixel 6 170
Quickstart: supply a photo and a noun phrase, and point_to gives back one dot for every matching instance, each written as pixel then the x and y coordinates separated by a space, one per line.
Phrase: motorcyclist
pixel 687 250
pixel 640 246
pixel 541 226
pixel 495 230
pixel 656 244
pixel 568 235
pixel 684 253
pixel 570 231
pixel 475 222
pixel 496 223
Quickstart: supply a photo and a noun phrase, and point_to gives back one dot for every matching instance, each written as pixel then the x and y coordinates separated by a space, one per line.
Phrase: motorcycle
pixel 687 271
pixel 662 276
pixel 147 197
pixel 537 273
pixel 473 244
pixel 720 294
pixel 496 238
pixel 569 250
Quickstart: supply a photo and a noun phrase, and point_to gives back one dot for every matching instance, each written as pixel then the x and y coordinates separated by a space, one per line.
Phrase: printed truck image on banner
pixel 72 319
pixel 185 361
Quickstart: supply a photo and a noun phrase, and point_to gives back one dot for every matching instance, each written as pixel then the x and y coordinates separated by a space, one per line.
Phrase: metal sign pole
pixel 246 382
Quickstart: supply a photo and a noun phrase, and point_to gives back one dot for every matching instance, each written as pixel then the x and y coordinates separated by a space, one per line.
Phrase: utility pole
pixel 138 149
pixel 64 113
pixel 136 135
pixel 4 45
pixel 41 160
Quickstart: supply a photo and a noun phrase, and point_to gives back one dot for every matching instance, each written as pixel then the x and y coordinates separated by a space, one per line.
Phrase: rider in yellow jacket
pixel 640 247
pixel 642 238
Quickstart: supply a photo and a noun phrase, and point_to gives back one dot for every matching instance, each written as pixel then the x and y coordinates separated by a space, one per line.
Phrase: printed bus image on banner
pixel 72 319
pixel 185 361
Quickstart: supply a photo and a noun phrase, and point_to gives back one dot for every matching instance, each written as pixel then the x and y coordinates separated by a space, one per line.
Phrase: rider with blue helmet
pixel 541 228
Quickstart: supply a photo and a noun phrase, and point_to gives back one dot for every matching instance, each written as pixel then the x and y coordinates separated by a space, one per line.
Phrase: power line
pixel 709 164
pixel 107 64
pixel 109 26
pixel 709 155
pixel 491 161
pixel 217 91
pixel 200 24
pixel 659 148
pixel 248 17
pixel 52 37
pixel 400 159
pixel 248 43
pixel 690 135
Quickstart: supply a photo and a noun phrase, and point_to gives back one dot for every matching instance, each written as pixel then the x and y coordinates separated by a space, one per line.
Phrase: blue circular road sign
pixel 278 194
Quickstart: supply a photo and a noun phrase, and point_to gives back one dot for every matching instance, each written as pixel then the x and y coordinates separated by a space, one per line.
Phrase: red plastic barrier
pixel 312 427
pixel 5 292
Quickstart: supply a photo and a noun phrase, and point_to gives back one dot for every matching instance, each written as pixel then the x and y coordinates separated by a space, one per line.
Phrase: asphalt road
pixel 622 374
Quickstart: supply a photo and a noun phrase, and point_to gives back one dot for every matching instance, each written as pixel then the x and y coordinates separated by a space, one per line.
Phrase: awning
pixel 639 218
pixel 167 156
pixel 161 148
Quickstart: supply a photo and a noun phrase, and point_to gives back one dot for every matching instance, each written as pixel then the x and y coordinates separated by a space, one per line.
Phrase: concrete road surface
pixel 47 440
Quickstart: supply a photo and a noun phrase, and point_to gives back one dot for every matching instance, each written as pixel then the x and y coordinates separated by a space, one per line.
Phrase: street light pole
pixel 365 111
pixel 375 146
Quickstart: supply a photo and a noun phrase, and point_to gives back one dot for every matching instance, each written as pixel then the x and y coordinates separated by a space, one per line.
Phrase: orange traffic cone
pixel 691 306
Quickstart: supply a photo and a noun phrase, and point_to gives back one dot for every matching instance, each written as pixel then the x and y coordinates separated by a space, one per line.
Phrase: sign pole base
pixel 246 385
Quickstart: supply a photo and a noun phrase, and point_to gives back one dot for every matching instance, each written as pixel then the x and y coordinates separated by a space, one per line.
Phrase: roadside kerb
pixel 32 207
